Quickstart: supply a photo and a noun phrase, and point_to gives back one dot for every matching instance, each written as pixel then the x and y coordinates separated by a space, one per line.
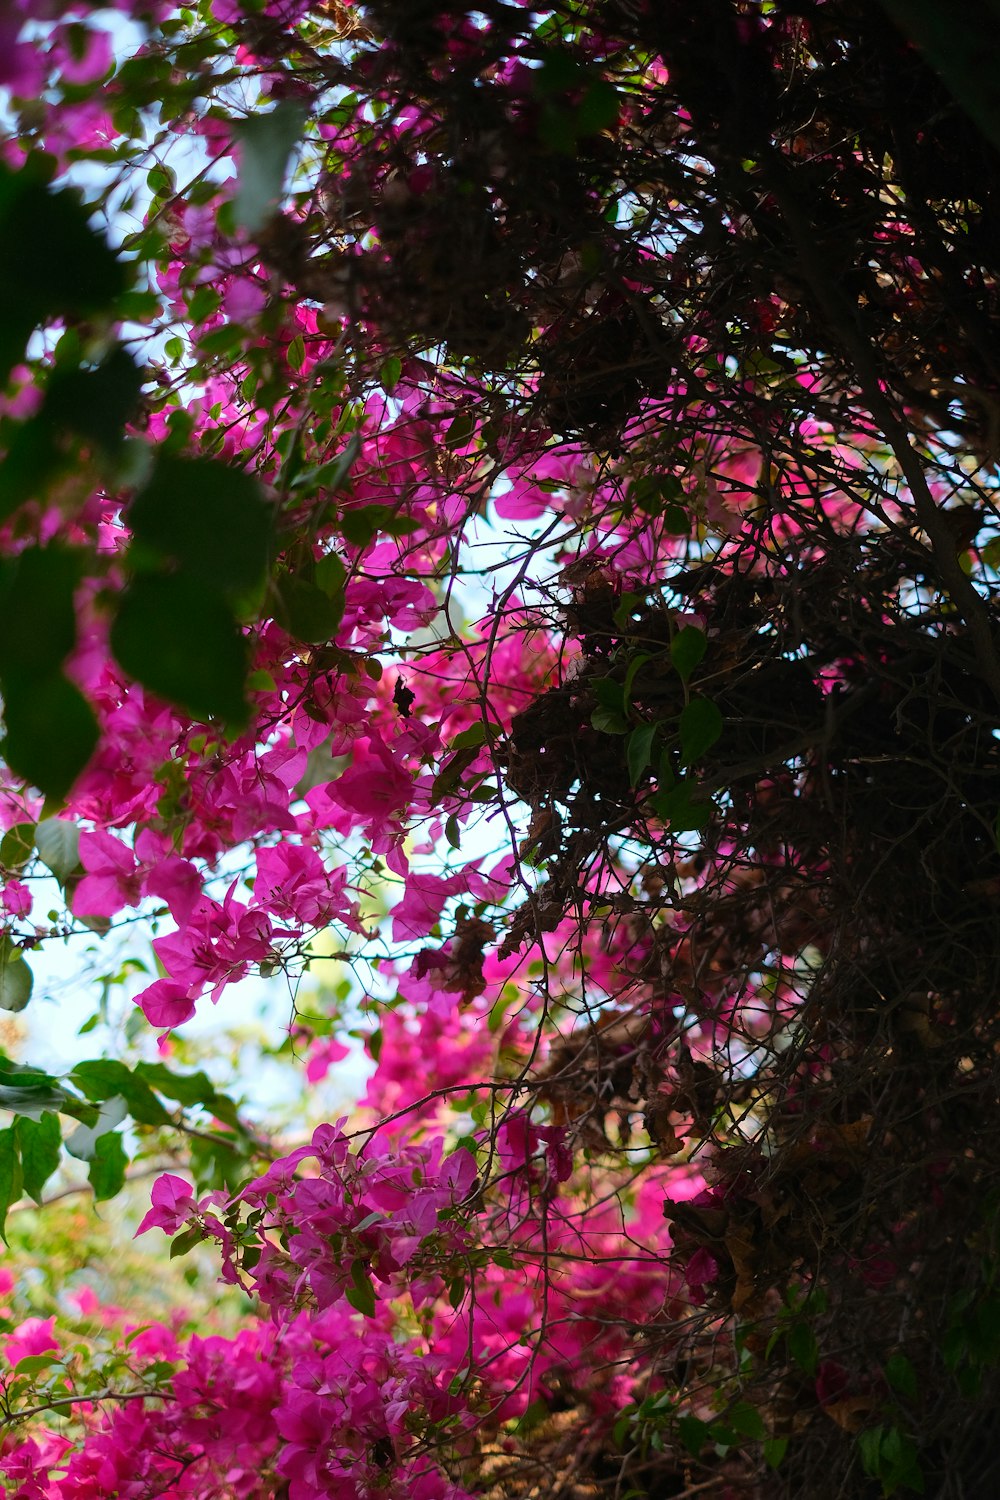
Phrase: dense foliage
pixel 497 507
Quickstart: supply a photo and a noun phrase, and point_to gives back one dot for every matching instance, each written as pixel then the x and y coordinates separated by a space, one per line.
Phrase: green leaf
pixel 639 750
pixel 183 642
pixel 184 1241
pixel 362 523
pixel 775 1449
pixel 331 576
pixel 16 979
pixel 475 735
pixel 687 649
pixel 10 1175
pixel 747 1421
pixel 51 732
pixel 40 1142
pixel 58 843
pixel 266 143
pixel 450 774
pixel 390 372
pixel 296 355
pixel 190 1089
pixel 34 1364
pixel 187 1088
pixel 107 1167
pixel 36 599
pixel 700 727
pixel 208 518
pixel 693 1433
pixel 957 43
pixel 677 808
pixel 635 666
pixel 333 475
pixel 82 1142
pixel 901 1375
pixel 104 1078
pixel 306 611
pixel 803 1348
pixel 52 263
pixel 361 1295
pixel 97 403
pixel 17 846
pixel 609 721
pixel 655 493
pixel 30 1101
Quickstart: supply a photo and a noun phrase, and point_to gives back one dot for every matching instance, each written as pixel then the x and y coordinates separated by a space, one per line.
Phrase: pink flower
pixel 33 1336
pixel 293 883
pixel 374 785
pixel 173 1204
pixel 16 898
pixel 111 881
pixel 701 1270
pixel 217 947
pixel 84 56
pixel 166 1003
pixel 322 1055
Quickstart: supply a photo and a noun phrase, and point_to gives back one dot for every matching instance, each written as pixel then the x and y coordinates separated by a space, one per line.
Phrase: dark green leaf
pixel 450 774
pixel 306 611
pixel 609 721
pixel 208 518
pixel 52 263
pixel 33 459
pixel 700 726
pixel 10 1175
pixel 36 598
pixel 51 732
pixel 747 1421
pixel 687 649
pixel 774 1451
pixel 901 1375
pixel 656 494
pixel 676 807
pixel 41 1145
pixel 610 694
pixel 640 750
pixel 330 575
pixel 107 1167
pixel 190 1089
pixel 364 522
pixel 693 1433
pixel 96 403
pixel 183 642
pixel 361 1295
pixel 296 354
pixel 959 41
pixel 803 1348
pixel 635 666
